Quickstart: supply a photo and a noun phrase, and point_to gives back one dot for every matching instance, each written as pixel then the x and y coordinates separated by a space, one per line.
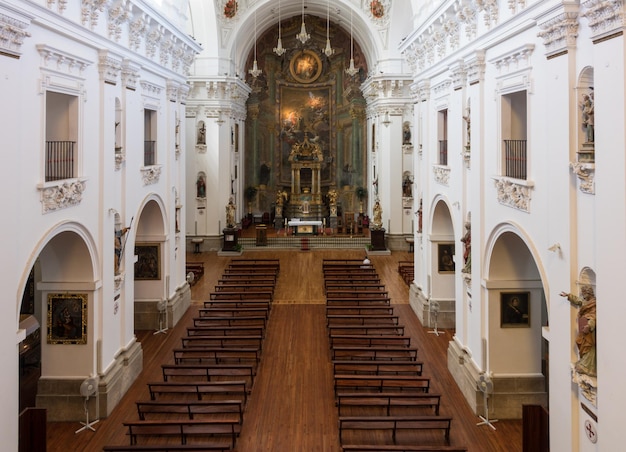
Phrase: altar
pixel 299 227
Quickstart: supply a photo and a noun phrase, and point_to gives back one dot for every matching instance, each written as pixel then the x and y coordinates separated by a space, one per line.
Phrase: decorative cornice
pixel 150 174
pixel 423 90
pixel 153 38
pixel 150 89
pixel 90 12
pixel 12 33
pixel 137 27
pixel 119 14
pixel 466 14
pixel 513 194
pixel 458 74
pixel 62 194
pixel 604 16
pixel 514 60
pixel 441 174
pixel 130 74
pixel 476 67
pixel 61 5
pixel 172 89
pixel 442 88
pixel 61 61
pixel 559 33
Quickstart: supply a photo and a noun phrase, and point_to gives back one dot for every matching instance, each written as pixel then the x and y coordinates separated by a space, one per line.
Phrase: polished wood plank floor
pixel 291 407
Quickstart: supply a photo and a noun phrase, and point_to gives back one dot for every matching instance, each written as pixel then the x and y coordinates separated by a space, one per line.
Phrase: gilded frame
pixel 148 265
pixel 67 318
pixel 305 66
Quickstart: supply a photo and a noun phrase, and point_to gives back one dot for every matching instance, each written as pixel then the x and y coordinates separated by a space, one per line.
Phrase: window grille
pixel 60 160
pixel 149 150
pixel 443 152
pixel 515 158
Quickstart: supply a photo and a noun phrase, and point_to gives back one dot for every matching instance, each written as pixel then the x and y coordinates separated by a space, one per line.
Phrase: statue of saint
pixel 586 338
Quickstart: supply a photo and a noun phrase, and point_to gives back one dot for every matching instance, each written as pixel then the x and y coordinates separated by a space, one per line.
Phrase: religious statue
pixel 119 248
pixel 281 197
pixel 586 338
pixel 468 126
pixel 201 133
pixel 332 196
pixel 200 187
pixel 377 222
pixel 588 116
pixel 407 187
pixel 406 133
pixel 467 252
pixel 230 213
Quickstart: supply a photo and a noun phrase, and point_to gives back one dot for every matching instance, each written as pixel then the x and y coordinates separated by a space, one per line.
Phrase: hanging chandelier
pixel 279 49
pixel 303 36
pixel 328 51
pixel 255 71
pixel 351 71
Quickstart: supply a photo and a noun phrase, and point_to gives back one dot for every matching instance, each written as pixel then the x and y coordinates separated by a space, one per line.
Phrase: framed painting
pixel 148 265
pixel 67 318
pixel 515 309
pixel 445 257
pixel 305 66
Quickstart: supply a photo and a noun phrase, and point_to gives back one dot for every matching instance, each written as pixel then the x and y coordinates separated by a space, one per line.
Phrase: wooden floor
pixel 292 406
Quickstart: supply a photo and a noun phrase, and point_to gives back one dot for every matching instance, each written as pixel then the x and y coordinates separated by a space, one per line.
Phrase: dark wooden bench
pixel 190 408
pixel 266 295
pixel 208 371
pixel 254 266
pixel 380 383
pixel 217 355
pixel 389 400
pixel 351 310
pixel 395 423
pixel 168 448
pixel 371 294
pixel 183 428
pixel 358 301
pixel 246 282
pixel 258 287
pixel 349 273
pixel 352 286
pixel 233 312
pixel 367 340
pixel 226 330
pixel 231 322
pixel 199 389
pixel 223 341
pixel 369 329
pixel 352 366
pixel 341 262
pixel 235 277
pixel 400 448
pixel 352 277
pixel 267 261
pixel 249 272
pixel 361 319
pixel 383 353
pixel 197 268
pixel 245 303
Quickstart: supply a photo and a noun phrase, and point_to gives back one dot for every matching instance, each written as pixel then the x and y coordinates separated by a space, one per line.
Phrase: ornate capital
pixel 61 195
pixel 604 16
pixel 109 67
pixel 560 33
pixel 130 75
pixel 12 33
pixel 151 174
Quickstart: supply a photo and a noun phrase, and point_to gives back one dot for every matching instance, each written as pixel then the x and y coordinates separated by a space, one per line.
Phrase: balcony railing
pixel 149 151
pixel 60 160
pixel 443 152
pixel 515 159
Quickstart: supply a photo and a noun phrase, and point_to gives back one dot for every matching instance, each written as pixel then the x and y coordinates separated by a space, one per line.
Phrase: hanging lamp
pixel 303 36
pixel 255 71
pixel 328 51
pixel 279 49
pixel 351 71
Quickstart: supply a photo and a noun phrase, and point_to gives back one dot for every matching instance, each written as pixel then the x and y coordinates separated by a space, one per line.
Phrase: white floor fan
pixel 486 387
pixel 434 313
pixel 88 388
pixel 162 308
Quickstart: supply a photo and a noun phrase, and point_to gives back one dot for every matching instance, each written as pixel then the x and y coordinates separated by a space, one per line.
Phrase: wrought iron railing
pixel 149 153
pixel 443 152
pixel 515 160
pixel 60 160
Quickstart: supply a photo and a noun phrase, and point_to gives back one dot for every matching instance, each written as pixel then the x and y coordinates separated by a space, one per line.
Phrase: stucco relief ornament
pixel 230 9
pixel 377 9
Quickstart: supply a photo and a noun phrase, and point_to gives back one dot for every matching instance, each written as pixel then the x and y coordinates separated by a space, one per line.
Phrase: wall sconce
pixel 555 248
pixel 386 120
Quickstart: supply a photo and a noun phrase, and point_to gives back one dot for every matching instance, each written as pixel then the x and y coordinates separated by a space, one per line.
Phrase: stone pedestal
pixel 378 239
pixel 230 239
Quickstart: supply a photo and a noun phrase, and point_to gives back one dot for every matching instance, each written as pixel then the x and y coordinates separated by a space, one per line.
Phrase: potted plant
pixel 361 193
pixel 250 193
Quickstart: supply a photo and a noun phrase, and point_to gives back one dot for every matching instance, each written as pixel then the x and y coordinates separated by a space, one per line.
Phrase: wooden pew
pixel 245 276
pixel 351 366
pixel 380 383
pixel 249 272
pixel 389 400
pixel 257 287
pixel 233 312
pixel 190 408
pixel 352 286
pixel 246 281
pixel 226 330
pixel 183 428
pixel 341 262
pixel 217 355
pixel 348 309
pixel 361 319
pixel 264 261
pixel 358 301
pixel 223 341
pixel 241 321
pixel 400 448
pixel 369 341
pixel 169 448
pixel 369 329
pixel 245 303
pixel 266 295
pixel 208 371
pixel 373 294
pixel 199 389
pixel 395 423
pixel 352 277
pixel 349 272
pixel 381 353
